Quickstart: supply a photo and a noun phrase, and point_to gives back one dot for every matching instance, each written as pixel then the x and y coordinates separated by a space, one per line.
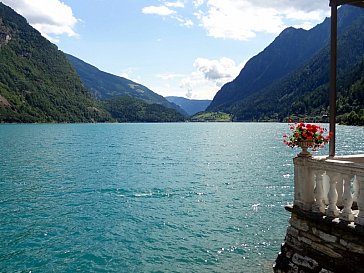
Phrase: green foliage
pixel 128 109
pixel 352 118
pixel 288 52
pixel 304 90
pixel 37 80
pixel 105 86
pixel 211 117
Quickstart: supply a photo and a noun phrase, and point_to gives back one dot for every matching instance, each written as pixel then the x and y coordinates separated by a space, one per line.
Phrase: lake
pixel 179 197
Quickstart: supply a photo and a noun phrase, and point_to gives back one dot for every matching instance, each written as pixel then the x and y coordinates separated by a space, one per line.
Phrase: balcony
pixel 332 187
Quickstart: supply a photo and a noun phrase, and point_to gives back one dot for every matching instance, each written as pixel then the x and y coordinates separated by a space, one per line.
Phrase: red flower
pixel 311 132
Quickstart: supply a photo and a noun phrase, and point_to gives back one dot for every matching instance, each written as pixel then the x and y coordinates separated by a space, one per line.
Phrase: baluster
pixel 360 218
pixel 332 209
pixel 326 187
pixel 297 183
pixel 340 190
pixel 356 189
pixel 319 205
pixel 347 214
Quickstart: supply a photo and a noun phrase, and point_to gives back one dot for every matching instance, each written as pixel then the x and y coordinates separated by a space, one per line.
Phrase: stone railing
pixel 331 186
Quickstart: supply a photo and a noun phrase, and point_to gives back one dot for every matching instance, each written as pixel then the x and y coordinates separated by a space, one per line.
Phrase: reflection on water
pixel 186 197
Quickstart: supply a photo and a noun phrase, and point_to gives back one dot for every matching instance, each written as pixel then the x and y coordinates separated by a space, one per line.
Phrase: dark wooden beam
pixel 333 60
pixel 358 3
pixel 334 4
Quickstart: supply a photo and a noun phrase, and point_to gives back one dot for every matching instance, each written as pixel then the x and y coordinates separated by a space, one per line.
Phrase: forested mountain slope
pixel 105 86
pixel 304 89
pixel 37 83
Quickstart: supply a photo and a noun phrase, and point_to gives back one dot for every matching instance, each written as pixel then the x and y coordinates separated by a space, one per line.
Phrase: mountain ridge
pixel 273 62
pixel 104 85
pixel 37 83
pixel 190 106
pixel 285 95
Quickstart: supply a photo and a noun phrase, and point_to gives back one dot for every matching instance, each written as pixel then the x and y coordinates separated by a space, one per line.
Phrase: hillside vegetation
pixel 37 83
pixel 129 109
pixel 289 78
pixel 105 86
pixel 276 84
pixel 211 117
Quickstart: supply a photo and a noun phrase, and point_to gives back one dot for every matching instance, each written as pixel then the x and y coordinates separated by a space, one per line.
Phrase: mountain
pixel 291 76
pixel 286 53
pixel 191 107
pixel 37 83
pixel 105 86
pixel 129 109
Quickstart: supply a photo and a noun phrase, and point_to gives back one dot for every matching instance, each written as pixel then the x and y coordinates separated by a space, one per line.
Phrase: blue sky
pixel 186 48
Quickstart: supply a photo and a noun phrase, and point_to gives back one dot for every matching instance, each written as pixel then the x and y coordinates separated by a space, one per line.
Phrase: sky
pixel 186 48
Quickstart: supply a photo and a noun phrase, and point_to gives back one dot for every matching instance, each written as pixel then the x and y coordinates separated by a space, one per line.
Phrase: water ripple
pixel 146 197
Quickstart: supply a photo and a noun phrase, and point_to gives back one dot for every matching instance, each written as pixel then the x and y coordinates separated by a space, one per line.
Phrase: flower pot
pixel 304 146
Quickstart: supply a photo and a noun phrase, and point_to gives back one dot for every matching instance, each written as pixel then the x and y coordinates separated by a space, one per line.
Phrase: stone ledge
pixel 316 243
pixel 328 222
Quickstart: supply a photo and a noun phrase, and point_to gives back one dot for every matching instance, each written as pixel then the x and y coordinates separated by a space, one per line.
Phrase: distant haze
pixel 191 107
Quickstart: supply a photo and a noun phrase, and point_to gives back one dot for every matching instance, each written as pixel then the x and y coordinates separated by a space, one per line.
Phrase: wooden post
pixel 333 63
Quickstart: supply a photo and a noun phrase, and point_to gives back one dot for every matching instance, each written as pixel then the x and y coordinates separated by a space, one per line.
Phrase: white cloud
pixel 307 5
pixel 209 76
pixel 177 4
pixel 202 83
pixel 160 10
pixel 303 15
pixel 184 21
pixel 198 87
pixel 242 20
pixel 238 20
pixel 197 81
pixel 224 68
pixel 198 3
pixel 49 17
pixel 168 10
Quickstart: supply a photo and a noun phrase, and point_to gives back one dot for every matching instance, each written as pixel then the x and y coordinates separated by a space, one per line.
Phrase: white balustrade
pixel 360 218
pixel 331 186
pixel 347 199
pixel 332 209
pixel 319 205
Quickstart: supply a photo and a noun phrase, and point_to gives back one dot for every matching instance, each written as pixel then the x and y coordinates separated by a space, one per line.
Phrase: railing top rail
pixel 357 157
pixel 352 164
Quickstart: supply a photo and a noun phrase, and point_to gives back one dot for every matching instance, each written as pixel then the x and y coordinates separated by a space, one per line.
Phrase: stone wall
pixel 316 243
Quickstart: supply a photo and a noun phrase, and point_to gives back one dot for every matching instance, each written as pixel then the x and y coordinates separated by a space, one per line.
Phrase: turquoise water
pixel 185 197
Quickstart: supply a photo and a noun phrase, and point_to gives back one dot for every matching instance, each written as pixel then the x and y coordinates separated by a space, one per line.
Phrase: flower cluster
pixel 311 133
